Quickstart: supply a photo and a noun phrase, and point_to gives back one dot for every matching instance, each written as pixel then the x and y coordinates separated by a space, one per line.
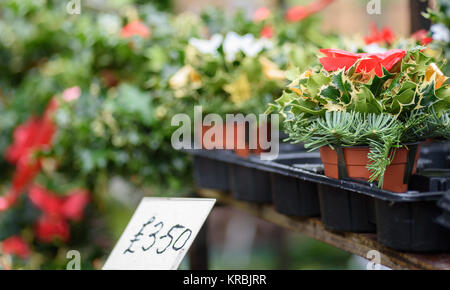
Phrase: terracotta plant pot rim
pixel 367 146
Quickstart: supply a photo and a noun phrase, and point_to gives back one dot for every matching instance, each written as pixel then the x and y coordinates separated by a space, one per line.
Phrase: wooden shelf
pixel 358 244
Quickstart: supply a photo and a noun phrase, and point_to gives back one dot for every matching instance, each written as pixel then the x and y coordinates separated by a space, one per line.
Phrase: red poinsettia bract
pixel 15 245
pixel 298 13
pixel 385 35
pixel 336 59
pixel 135 27
pixel 422 37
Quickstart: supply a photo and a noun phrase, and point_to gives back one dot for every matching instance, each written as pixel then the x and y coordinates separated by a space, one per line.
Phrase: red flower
pixel 34 135
pixel 135 28
pixel 8 199
pixel 75 203
pixel 48 229
pixel 267 31
pixel 15 245
pixel 422 37
pixel 65 207
pixel 261 14
pixel 386 35
pixel 24 174
pixel 338 59
pixel 24 139
pixel 298 13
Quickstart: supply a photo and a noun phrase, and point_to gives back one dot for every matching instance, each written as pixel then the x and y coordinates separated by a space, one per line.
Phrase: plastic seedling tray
pixel 409 226
pixel 212 174
pixel 403 221
pixel 431 180
pixel 292 196
pixel 438 153
pixel 250 184
pixel 344 210
pixel 444 204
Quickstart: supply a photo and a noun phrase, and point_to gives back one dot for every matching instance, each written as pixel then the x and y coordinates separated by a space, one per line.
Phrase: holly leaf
pixel 377 83
pixel 363 101
pixel 292 74
pixel 343 84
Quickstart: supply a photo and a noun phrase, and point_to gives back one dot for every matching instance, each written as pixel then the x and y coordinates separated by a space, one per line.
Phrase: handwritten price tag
pixel 159 233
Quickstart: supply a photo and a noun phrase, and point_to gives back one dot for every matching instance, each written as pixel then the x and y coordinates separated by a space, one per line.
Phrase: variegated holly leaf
pixel 403 99
pixel 376 84
pixel 427 94
pixel 443 93
pixel 292 74
pixel 363 101
pixel 415 64
pixel 443 103
pixel 305 106
pixel 315 82
pixel 286 99
pixel 344 85
pixel 330 94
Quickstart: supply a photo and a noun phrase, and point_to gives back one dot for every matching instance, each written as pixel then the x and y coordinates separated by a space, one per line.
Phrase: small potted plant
pixel 367 112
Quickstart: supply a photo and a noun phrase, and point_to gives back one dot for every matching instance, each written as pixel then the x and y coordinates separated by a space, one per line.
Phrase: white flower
pixel 254 48
pixel 231 45
pixel 374 48
pixel 207 46
pixel 110 23
pixel 440 32
pixel 250 46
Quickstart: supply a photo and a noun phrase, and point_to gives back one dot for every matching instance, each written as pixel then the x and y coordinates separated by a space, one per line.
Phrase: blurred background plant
pixel 86 102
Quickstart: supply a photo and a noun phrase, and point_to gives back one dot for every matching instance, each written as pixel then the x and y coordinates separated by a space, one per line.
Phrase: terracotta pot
pixel 244 152
pixel 356 160
pixel 263 129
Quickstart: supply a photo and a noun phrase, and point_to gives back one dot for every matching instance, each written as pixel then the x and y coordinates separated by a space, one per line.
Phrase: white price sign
pixel 159 233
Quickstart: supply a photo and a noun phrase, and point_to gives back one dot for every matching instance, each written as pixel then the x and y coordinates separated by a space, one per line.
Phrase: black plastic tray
pixel 410 226
pixel 292 196
pixel 444 204
pixel 438 153
pixel 211 173
pixel 403 221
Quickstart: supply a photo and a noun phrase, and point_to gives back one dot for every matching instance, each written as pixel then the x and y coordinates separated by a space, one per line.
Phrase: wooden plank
pixel 358 244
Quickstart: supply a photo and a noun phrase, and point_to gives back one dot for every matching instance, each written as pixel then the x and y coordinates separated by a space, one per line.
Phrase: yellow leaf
pixel 239 89
pixel 187 74
pixel 434 73
pixel 271 70
pixel 297 91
